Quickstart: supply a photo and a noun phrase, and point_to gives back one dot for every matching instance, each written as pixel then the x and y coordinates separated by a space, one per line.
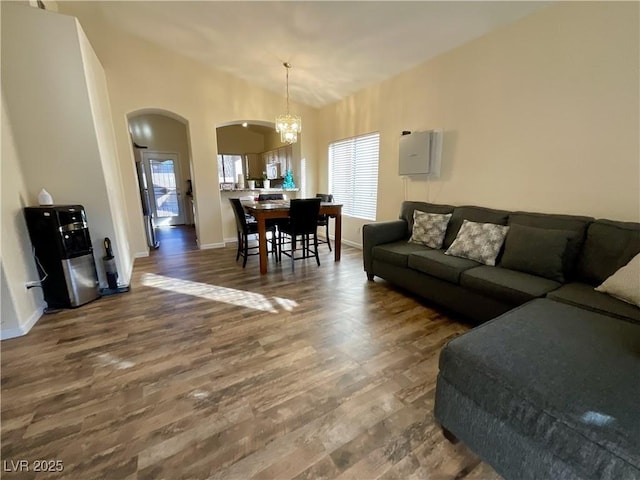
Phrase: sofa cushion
pixel 608 246
pixel 473 214
pixel 429 228
pixel 573 223
pixel 439 265
pixel 481 242
pixel 584 295
pixel 564 378
pixel 407 209
pixel 509 286
pixel 539 251
pixel 396 253
pixel 625 283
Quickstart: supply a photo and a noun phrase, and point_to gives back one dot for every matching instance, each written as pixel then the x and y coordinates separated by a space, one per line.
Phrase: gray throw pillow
pixel 429 228
pixel 478 241
pixel 539 251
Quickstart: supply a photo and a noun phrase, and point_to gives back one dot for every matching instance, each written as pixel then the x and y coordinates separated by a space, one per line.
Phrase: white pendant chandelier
pixel 289 126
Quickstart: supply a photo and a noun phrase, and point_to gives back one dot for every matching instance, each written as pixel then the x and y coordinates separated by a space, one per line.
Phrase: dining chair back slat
pixel 303 222
pixel 242 222
pixel 303 215
pixel 270 196
pixel 246 227
pixel 273 222
pixel 323 220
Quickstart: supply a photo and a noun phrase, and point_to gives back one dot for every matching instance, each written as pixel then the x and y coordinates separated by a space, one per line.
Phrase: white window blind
pixel 353 174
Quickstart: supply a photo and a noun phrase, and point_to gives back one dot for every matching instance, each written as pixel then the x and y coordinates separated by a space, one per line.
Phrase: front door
pixel 163 172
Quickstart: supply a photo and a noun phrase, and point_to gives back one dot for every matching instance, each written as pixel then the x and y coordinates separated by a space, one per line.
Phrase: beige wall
pixel 272 140
pixel 541 115
pixel 143 76
pixel 161 133
pixel 112 178
pixel 20 307
pixel 57 134
pixel 9 327
pixel 235 139
pixel 50 5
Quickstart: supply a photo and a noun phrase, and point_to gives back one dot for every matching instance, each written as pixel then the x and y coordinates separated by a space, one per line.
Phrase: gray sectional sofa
pixel 480 292
pixel 549 386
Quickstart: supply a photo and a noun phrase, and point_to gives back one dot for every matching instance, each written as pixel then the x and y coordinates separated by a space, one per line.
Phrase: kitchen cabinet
pixel 277 162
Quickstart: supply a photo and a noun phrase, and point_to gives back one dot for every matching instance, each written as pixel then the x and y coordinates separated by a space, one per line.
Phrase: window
pixel 353 174
pixel 229 166
pixel 303 178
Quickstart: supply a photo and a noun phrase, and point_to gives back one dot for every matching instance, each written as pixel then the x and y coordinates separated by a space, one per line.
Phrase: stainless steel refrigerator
pixel 145 197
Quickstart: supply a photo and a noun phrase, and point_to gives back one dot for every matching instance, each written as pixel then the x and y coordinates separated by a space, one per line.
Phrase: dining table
pixel 262 211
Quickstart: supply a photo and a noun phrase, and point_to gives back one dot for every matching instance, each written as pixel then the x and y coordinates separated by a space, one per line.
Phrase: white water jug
pixel 44 198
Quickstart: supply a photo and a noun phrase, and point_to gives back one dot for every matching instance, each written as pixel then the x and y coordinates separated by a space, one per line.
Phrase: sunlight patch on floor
pixel 232 296
pixel 106 359
pixel 199 394
pixel 286 304
pixel 596 418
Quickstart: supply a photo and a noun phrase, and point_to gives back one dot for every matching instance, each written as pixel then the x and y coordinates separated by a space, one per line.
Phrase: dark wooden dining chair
pixel 302 225
pixel 265 197
pixel 246 227
pixel 323 220
pixel 270 196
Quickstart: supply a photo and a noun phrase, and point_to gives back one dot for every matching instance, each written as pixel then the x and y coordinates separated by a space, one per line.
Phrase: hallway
pixel 175 240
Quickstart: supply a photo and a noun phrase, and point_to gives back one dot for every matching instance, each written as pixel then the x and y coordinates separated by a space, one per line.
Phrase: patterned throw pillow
pixel 625 283
pixel 478 241
pixel 429 228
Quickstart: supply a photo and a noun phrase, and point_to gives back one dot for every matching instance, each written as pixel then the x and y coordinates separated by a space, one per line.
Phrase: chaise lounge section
pixel 546 391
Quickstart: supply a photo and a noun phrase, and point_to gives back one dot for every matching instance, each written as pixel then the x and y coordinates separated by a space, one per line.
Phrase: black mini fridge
pixel 63 254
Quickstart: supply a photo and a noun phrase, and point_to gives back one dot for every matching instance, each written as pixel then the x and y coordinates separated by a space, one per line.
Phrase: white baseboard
pixel 352 244
pixel 11 333
pixel 131 265
pixel 231 240
pixel 207 246
pixel 140 255
pixel 26 328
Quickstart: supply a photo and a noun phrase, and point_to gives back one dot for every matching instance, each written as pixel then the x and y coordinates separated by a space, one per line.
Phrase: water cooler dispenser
pixel 62 247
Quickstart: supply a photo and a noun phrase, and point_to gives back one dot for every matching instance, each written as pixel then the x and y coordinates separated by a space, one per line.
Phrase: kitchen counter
pixel 228 219
pixel 262 190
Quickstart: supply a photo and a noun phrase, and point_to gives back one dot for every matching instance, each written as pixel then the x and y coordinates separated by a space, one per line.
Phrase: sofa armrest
pixel 378 233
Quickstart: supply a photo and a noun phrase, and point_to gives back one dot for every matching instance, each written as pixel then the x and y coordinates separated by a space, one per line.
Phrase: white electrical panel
pixel 420 153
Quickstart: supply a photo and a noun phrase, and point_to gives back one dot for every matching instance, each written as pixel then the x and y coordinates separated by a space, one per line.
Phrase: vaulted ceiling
pixel 335 48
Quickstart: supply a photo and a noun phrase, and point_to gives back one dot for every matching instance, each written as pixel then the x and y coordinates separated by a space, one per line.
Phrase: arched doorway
pixel 257 150
pixel 249 152
pixel 161 149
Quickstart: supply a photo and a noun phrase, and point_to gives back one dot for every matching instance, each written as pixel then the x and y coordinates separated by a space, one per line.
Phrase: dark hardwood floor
pixel 206 370
pixel 175 240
